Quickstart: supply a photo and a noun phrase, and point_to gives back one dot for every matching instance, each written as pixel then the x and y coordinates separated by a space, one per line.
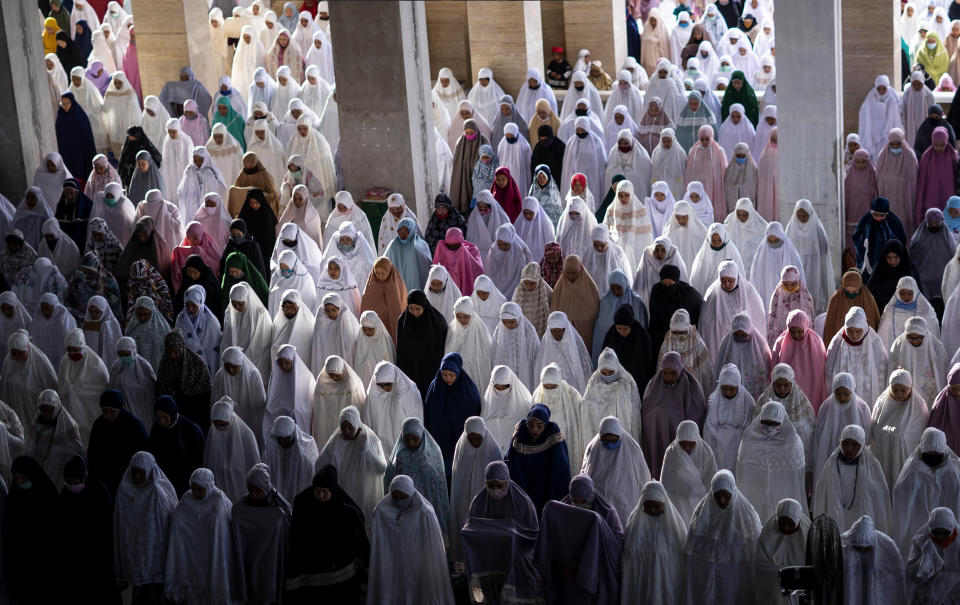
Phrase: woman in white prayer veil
pixel 290 392
pixel 729 413
pixel 807 234
pixel 302 36
pixel 729 295
pixel 534 227
pixel 771 461
pixel 346 210
pixel 930 477
pixel 716 248
pixel 664 87
pixel 295 329
pixel 841 409
pixel 934 558
pixel 465 111
pixel 374 345
pixel 506 258
pixel 308 143
pixel 586 155
pixel 201 328
pixel 562 343
pixel 100 329
pixel 535 89
pixel 771 257
pixel 338 386
pixel 335 331
pixel 354 252
pixel 906 302
pixel 688 468
pixel 624 94
pixel 290 274
pixel 52 436
pixel 921 354
pixel 287 89
pixel 514 153
pixel 121 110
pixel 442 292
pixel 177 154
pixel 505 401
pixel 19 318
pixel 230 449
pixel 685 230
pixel 449 93
pixel 514 343
pixel 135 378
pixel 89 98
pixel 628 158
pixel 580 88
pixel 248 325
pixel 143 508
pixel 201 178
pixel 487 302
pixel 653 550
pixel 240 380
pixel 879 112
pixel 338 278
pixel 300 211
pixel 225 151
pixel 261 91
pixel 356 452
pixel 867 364
pixel 564 402
pixel 620 119
pixel 469 336
pixel 735 129
pixel 80 382
pixel 48 326
pixel 610 391
pixel 575 228
pixel 200 553
pixel 476 448
pixel 482 224
pixel 655 256
pixel 291 454
pixel 898 419
pixel 485 97
pixel 291 238
pixel 720 545
pixel 873 570
pixel 784 389
pixel 315 91
pixel 405 517
pixel 65 254
pixel 268 148
pixel 627 217
pixel 851 483
pixel 782 543
pixel 391 397
pixel 56 72
pixel 614 461
pixel 604 257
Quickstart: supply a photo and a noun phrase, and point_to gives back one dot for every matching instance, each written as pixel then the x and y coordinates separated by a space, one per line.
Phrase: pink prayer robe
pixel 767 202
pixel 808 357
pixel 464 264
pixel 938 176
pixel 708 167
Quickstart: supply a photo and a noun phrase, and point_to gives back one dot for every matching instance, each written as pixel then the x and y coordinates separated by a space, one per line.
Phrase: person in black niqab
pixel 75 136
pixel 176 442
pixel 206 278
pixel 883 281
pixel 29 533
pixel 324 514
pixel 421 336
pixel 666 297
pixel 115 437
pixel 85 545
pixel 137 140
pixel 633 348
pixel 261 222
pixel 242 241
pixel 549 150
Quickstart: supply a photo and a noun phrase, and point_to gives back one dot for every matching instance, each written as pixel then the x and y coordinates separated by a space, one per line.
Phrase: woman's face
pixel 782 387
pixel 501 180
pixel 667 142
pixel 577 187
pixel 143 165
pixel 893 259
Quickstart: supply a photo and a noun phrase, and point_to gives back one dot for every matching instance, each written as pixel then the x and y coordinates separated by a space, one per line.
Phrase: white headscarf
pixel 515 156
pixel 80 383
pixel 776 549
pixel 536 232
pixel 686 475
pixel 629 223
pixel 201 333
pixel 502 410
pixel 48 334
pixel 874 576
pixel 569 352
pixel 360 259
pixel 385 411
pixel 648 273
pixel 878 114
pixel 896 426
pixel 576 236
pixel 769 261
pixel 291 468
pixel 719 306
pixel 618 472
pixel 865 360
pixel 451 94
pixel 177 155
pixel 727 419
pixel 482 228
pixel 565 404
pixel 444 300
pixel 101 335
pixel 653 551
pixel 517 348
pixel 471 341
pixel 588 157
pixel 345 284
pixel 527 97
pixel 296 331
pixel 245 389
pixel 331 396
pixel 333 336
pixel 708 260
pixel 748 236
pixel 121 109
pixel 135 380
pixel 687 238
pixel 894 317
pixel 469 474
pixel 251 330
pixel 615 394
pixel 928 362
pixel 833 417
pixel 371 350
pixel 295 277
pixel 290 393
pixel 229 452
pixel 486 98
pixel 504 266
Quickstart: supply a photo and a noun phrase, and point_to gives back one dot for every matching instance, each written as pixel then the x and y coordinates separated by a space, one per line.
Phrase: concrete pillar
pixel 386 116
pixel 448 41
pixel 871 46
pixel 172 34
pixel 809 91
pixel 552 30
pixel 27 130
pixel 512 47
pixel 599 25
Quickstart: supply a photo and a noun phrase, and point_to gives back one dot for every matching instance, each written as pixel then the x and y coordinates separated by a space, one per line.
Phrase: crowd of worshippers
pixel 212 357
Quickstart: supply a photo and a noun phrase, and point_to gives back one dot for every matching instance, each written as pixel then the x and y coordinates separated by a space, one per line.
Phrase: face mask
pixel 484 210
pixel 770 431
pixel 345 248
pixel 854 295
pixel 75 356
pixel 740 161
pixel 611 446
pixel 295 174
pixel 582 135
pixel 896 151
pixel 580 112
pixel 684 24
pixel 250 170
pixel 110 201
pixel 210 210
pixel 403 504
pixel 624 148
pixel 712 17
pixel 128 360
pixel 26 485
pixel 610 379
pixel 932 45
pixel 75 489
pixel 511 140
pixel 497 494
pixel 286 272
pixel 470 137
pixel 931 459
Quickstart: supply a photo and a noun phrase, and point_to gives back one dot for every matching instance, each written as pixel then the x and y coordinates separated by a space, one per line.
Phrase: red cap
pixel 557 49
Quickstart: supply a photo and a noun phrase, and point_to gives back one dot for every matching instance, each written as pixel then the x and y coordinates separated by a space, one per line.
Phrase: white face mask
pixel 932 45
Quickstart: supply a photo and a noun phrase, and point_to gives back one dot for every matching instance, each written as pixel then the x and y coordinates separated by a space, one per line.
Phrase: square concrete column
pixel 170 35
pixel 27 130
pixel 386 113
pixel 871 47
pixel 511 47
pixel 448 42
pixel 809 93
pixel 599 25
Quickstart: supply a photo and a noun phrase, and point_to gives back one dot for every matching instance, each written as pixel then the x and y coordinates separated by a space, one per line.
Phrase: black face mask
pixel 534 87
pixel 582 135
pixel 580 112
pixel 578 86
pixel 250 170
pixel 932 459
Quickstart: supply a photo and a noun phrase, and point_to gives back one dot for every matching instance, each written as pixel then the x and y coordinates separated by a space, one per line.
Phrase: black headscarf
pixel 70 55
pixel 261 223
pixel 664 300
pixel 447 407
pixel 177 448
pixel 30 534
pixel 73 215
pixel 245 244
pixel 112 444
pixel 541 466
pixel 437 227
pixel 128 155
pixel 420 341
pixel 75 137
pixel 186 379
pixel 730 12
pixel 925 131
pixel 83 41
pixel 85 547
pixel 634 350
pixel 883 281
pixel 548 151
pixel 135 250
pixel 207 279
pixel 338 521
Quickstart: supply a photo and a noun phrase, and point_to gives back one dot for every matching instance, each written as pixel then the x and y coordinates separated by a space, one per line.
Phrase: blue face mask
pixel 109 201
pixel 896 151
pixel 684 24
pixel 286 272
pixel 345 248
pixel 26 485
pixel 128 360
pixel 611 446
pixel 740 161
